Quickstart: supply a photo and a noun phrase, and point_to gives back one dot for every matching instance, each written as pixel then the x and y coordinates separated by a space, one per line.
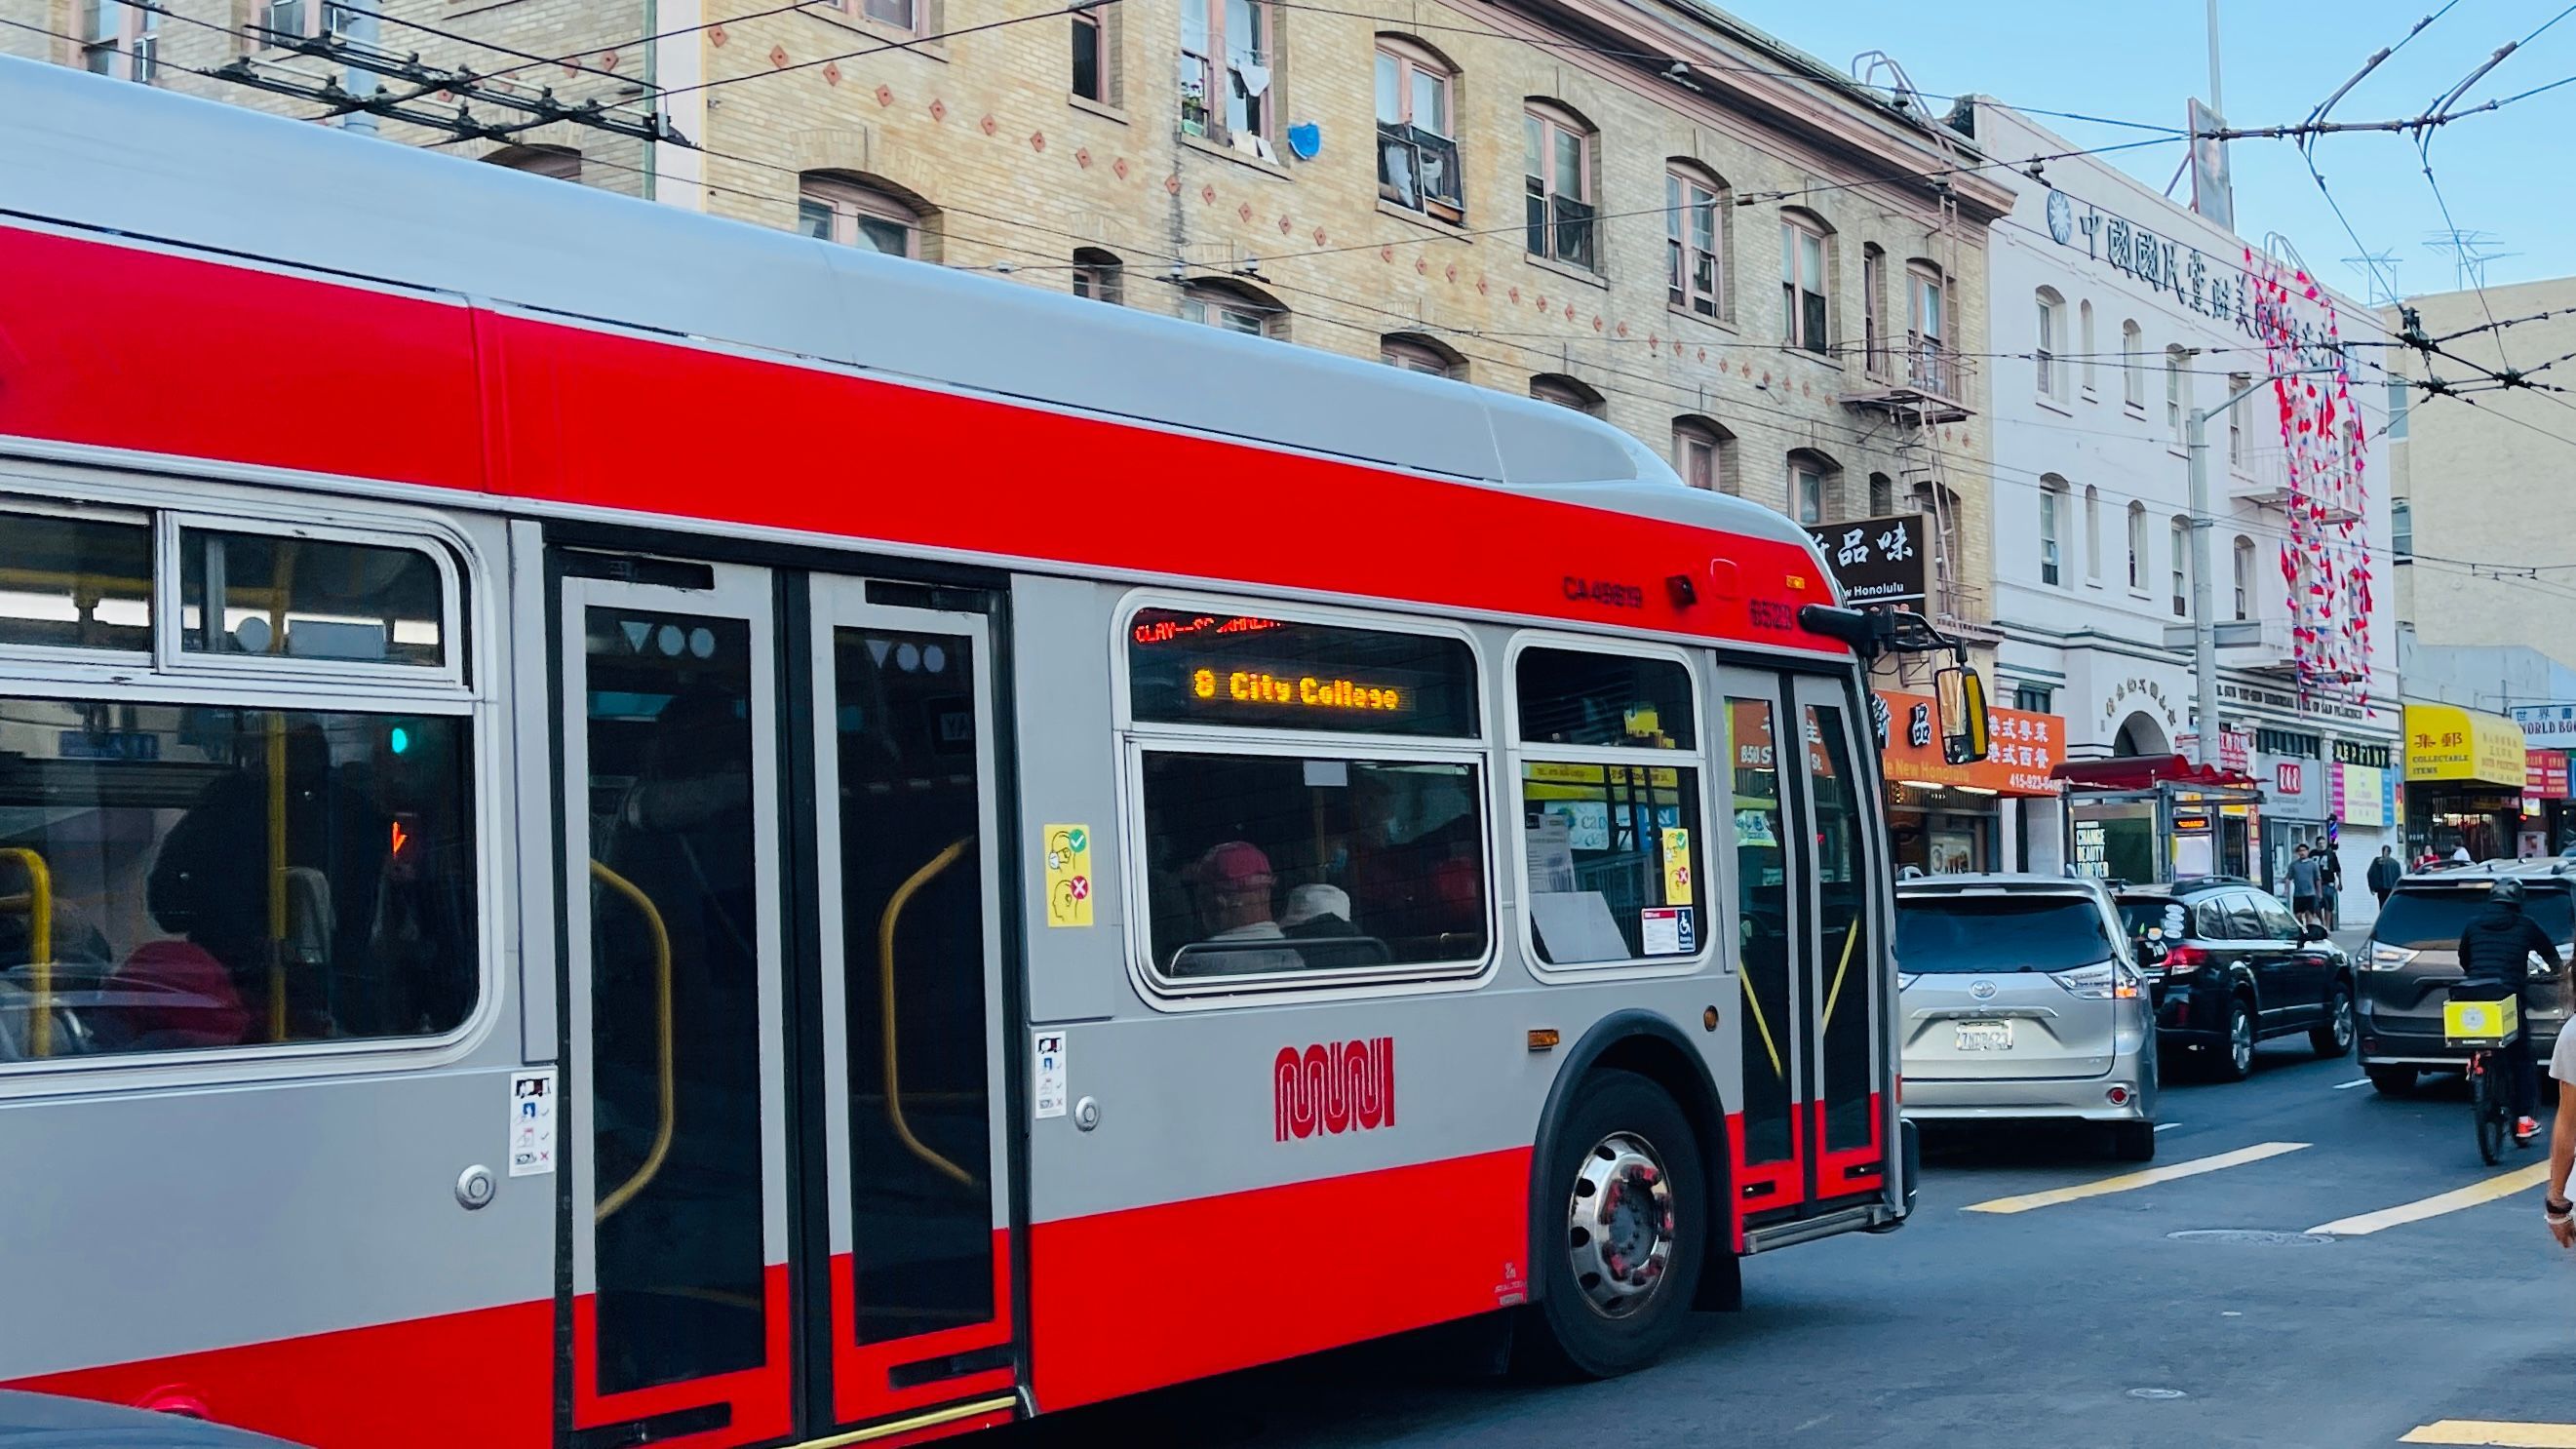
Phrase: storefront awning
pixel 2447 743
pixel 2145 772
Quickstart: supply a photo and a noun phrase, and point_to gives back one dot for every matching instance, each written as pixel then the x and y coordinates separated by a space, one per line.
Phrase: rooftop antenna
pixel 2379 274
pixel 2470 252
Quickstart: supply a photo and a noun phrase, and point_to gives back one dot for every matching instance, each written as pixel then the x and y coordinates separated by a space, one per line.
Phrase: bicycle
pixel 2476 1017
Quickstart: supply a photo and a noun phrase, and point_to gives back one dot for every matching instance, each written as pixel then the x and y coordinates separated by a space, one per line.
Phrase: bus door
pixel 676 962
pixel 1807 1138
pixel 1849 1080
pixel 787 1188
pixel 907 849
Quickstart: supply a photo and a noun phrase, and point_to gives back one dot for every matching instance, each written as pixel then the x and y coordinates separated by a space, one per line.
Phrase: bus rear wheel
pixel 1628 1240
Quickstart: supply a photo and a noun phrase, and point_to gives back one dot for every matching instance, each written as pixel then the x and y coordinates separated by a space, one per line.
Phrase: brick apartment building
pixel 1641 208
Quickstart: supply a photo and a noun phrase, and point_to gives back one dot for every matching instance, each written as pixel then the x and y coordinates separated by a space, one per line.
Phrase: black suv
pixel 2237 968
pixel 2413 956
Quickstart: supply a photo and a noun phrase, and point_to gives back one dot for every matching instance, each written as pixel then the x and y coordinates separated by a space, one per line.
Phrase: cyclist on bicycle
pixel 2498 947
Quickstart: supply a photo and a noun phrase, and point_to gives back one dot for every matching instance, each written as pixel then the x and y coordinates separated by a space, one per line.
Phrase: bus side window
pixel 1610 807
pixel 193 876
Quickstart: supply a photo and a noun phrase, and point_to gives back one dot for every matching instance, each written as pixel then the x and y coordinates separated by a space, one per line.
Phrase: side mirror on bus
pixel 1966 732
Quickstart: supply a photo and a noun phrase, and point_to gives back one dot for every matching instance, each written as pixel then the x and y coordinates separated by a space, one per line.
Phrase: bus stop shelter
pixel 2143 818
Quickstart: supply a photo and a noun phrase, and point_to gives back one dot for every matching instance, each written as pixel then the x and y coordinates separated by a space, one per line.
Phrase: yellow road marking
pixel 2495 1434
pixel 2127 1180
pixel 2504 1184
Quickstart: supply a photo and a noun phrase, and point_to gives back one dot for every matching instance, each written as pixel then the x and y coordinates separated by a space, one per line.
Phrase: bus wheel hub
pixel 1619 1224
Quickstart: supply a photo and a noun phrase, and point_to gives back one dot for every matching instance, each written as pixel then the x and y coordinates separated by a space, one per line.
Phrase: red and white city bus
pixel 617 828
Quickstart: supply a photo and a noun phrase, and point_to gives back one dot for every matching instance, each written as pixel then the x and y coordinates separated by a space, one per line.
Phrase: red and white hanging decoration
pixel 2325 560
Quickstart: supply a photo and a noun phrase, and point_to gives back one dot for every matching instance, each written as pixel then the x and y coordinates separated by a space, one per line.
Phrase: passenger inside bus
pixel 181 883
pixel 1347 864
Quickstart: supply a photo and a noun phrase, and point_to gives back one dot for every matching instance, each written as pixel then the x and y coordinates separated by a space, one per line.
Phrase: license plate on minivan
pixel 1985 1036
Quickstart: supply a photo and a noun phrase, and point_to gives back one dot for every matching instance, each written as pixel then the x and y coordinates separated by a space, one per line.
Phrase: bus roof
pixel 152 164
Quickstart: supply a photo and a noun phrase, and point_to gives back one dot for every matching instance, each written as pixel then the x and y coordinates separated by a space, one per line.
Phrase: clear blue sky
pixel 2508 173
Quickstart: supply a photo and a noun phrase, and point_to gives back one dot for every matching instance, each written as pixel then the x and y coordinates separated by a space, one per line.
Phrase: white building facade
pixel 2116 313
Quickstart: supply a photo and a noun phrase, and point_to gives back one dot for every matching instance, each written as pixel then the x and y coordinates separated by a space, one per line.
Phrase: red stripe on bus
pixel 484 1378
pixel 414 390
pixel 1141 1298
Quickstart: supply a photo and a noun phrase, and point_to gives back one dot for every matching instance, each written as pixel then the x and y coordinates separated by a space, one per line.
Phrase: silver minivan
pixel 2020 997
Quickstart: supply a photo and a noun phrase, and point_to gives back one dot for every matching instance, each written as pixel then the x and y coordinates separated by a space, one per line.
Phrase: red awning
pixel 2145 772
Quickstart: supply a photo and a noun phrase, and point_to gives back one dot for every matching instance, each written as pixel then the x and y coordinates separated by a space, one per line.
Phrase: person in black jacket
pixel 2385 872
pixel 2498 947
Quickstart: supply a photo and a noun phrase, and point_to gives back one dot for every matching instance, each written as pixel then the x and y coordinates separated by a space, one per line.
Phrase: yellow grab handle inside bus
pixel 39 905
pixel 1753 1000
pixel 902 897
pixel 1850 936
pixel 668 1105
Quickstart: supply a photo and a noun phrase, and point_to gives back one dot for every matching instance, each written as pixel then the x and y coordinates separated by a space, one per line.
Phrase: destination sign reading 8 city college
pixel 1249 671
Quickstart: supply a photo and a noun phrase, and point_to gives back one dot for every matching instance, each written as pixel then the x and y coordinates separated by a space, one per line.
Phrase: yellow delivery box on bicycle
pixel 2475 1024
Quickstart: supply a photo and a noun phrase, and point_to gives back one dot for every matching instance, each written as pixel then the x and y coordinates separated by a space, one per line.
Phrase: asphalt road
pixel 2083 1321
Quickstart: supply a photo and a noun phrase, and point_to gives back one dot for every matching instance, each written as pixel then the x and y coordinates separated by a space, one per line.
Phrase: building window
pixel 1804 268
pixel 1417 131
pixel 121 39
pixel 1097 41
pixel 562 163
pixel 2175 391
pixel 1233 307
pixel 2052 503
pixel 1561 212
pixel 2133 377
pixel 2181 567
pixel 1566 392
pixel 2401 529
pixel 855 214
pixel 2243 559
pixel 1882 495
pixel 1699 455
pixel 2034 698
pixel 1873 310
pixel 2137 548
pixel 284 22
pixel 1416 353
pixel 2397 410
pixel 1941 505
pixel 2236 419
pixel 2092 533
pixel 1099 275
pixel 2048 354
pixel 1695 208
pixel 2084 341
pixel 1929 364
pixel 901 14
pixel 1814 487
pixel 1226 73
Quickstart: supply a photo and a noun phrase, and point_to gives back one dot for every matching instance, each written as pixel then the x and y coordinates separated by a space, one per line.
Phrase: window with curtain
pixel 1695 208
pixel 2243 556
pixel 1805 261
pixel 1417 146
pixel 2181 567
pixel 2052 505
pixel 1561 211
pixel 2133 377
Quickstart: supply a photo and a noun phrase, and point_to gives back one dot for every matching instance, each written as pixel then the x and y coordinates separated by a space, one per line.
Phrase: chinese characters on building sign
pixel 1876 560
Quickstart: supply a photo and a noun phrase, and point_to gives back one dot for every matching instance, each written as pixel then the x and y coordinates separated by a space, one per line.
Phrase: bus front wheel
pixel 1629 1226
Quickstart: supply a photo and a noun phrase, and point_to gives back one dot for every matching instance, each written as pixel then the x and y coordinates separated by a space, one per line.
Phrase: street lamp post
pixel 2204 644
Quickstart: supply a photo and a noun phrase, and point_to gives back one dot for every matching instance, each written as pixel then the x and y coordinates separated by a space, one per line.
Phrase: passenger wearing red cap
pixel 1233 884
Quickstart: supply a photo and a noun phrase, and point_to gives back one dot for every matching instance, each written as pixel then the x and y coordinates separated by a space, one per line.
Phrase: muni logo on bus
pixel 1333 1087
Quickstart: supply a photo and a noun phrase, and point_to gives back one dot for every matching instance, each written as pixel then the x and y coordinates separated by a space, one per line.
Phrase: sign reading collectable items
pixel 1877 560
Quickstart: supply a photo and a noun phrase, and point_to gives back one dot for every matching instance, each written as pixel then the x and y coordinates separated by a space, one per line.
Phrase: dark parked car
pixel 2237 968
pixel 2413 956
pixel 42 1421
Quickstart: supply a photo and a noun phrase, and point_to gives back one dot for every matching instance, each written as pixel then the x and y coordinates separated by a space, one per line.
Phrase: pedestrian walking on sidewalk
pixel 2384 874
